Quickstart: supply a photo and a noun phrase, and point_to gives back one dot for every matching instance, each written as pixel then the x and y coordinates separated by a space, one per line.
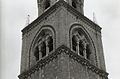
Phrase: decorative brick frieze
pixel 63 49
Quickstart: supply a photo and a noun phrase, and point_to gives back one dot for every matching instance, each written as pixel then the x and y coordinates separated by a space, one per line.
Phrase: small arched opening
pixel 74 4
pixel 47 4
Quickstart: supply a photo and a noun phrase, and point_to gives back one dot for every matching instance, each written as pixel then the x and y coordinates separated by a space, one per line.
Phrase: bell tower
pixel 62 44
pixel 77 4
pixel 43 5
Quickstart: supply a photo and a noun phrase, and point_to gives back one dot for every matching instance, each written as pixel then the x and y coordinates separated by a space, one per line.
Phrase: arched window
pixel 47 4
pixel 74 3
pixel 44 44
pixel 80 44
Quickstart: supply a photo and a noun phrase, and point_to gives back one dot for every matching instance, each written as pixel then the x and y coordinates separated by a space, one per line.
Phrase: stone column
pixel 84 51
pixel 47 48
pixel 40 53
pixel 77 48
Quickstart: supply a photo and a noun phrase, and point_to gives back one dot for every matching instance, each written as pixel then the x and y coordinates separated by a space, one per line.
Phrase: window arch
pixel 44 43
pixel 80 43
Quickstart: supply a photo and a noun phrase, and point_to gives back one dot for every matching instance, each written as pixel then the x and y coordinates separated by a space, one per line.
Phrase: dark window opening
pixel 47 4
pixel 50 43
pixel 43 49
pixel 74 44
pixel 88 52
pixel 81 48
pixel 74 4
pixel 36 53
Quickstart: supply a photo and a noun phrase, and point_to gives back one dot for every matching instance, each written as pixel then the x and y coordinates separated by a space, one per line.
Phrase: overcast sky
pixel 14 15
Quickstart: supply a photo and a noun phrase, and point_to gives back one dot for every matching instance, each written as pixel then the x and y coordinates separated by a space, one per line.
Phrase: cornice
pixel 53 9
pixel 63 49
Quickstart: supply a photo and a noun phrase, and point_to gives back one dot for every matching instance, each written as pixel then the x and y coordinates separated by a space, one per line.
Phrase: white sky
pixel 14 15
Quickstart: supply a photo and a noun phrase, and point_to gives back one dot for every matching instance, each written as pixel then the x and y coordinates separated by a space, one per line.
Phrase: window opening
pixel 88 52
pixel 36 53
pixel 50 43
pixel 47 4
pixel 74 4
pixel 43 49
pixel 81 48
pixel 74 43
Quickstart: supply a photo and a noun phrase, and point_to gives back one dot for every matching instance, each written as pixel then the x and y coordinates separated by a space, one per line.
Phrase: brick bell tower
pixel 62 44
